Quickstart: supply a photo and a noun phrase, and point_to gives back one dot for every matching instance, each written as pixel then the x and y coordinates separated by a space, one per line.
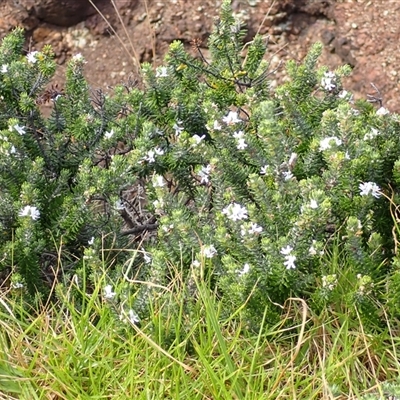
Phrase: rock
pixel 59 12
pixel 51 35
pixel 343 48
pixel 15 15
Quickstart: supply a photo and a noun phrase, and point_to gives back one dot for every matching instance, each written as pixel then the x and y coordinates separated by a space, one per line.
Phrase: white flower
pixel 204 174
pixel 217 126
pixel 238 135
pixel 119 205
pixel 366 285
pixel 109 135
pixel 108 292
pixel 231 118
pixel 286 250
pixel 196 263
pixel 287 175
pixel 17 285
pixel 147 258
pixel 367 188
pixel 18 128
pixel 167 228
pixel 178 129
pixel 245 270
pixel 241 144
pixel 158 181
pixel 254 228
pixel 289 262
pixel 326 143
pixel 77 57
pixel 313 249
pixel 29 211
pixel 150 156
pixel 329 282
pixel 382 111
pixel 371 135
pixel 264 169
pixel 91 241
pixel 198 138
pixel 344 94
pixel 326 81
pixel 313 204
pixel 4 69
pixel 235 212
pixel 158 205
pixel 133 317
pixel 162 72
pixel 31 57
pixel 209 251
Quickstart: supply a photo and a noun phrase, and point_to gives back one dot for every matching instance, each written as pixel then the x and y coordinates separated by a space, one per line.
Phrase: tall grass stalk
pixel 132 54
pixel 70 351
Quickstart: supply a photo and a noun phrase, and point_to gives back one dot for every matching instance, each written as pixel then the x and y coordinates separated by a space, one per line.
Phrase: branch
pixel 140 229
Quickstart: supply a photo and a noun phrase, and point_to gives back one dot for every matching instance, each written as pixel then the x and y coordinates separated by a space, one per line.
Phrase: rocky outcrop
pixel 61 12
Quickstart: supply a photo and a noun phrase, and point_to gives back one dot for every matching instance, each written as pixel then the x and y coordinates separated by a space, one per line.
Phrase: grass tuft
pixel 186 350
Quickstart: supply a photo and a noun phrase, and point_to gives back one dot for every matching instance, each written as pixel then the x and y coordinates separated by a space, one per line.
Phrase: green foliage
pixel 262 189
pixel 55 195
pixel 255 185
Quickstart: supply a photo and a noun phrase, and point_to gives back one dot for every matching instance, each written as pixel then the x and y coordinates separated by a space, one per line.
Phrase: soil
pixel 362 33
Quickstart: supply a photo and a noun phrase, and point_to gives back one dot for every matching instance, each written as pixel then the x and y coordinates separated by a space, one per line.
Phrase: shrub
pixel 55 196
pixel 268 194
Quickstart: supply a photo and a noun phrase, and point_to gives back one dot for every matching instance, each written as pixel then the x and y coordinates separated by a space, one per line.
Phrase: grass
pixel 84 351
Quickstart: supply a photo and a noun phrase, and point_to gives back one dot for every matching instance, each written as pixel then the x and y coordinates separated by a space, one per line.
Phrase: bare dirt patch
pixel 364 34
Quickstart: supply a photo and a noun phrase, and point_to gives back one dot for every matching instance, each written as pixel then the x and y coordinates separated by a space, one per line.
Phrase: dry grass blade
pixel 266 16
pixel 132 55
pixel 299 341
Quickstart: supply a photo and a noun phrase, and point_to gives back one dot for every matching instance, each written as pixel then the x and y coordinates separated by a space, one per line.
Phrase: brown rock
pixel 59 12
pixel 12 15
pixel 42 33
pixel 343 48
